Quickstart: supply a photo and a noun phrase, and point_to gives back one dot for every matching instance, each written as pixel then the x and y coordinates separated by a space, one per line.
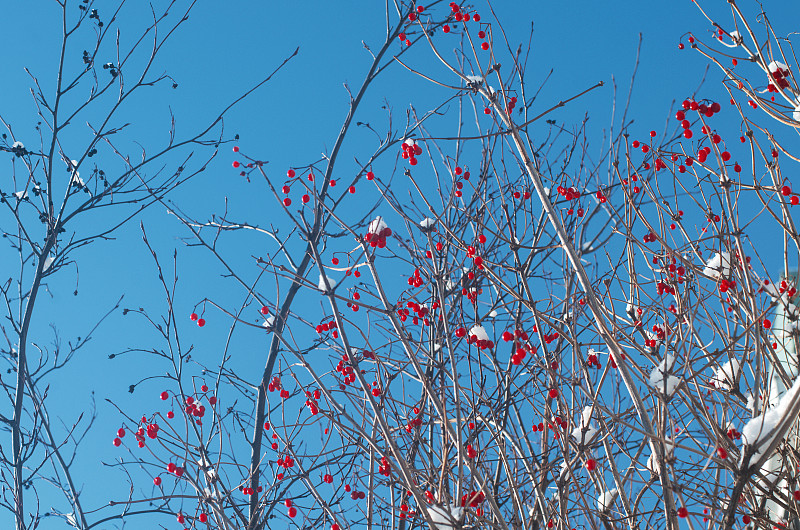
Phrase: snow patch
pixel 718 266
pixel 321 284
pixel 606 499
pixel 377 225
pixel 479 332
pixel 760 430
pixel 660 378
pixel 585 424
pixel 725 376
pixel 446 517
pixel 427 223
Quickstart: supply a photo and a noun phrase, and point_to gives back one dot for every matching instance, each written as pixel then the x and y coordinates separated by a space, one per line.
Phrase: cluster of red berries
pixel 385 468
pixel 621 356
pixel 592 360
pixel 175 470
pixel 194 408
pixel 473 499
pixel 249 491
pixel 554 426
pixel 415 280
pixel 421 312
pixel 346 370
pixel 571 194
pixel 548 338
pixel 331 325
pixel 780 73
pixel 286 462
pixel 662 288
pixel 200 321
pixel 275 385
pixel 311 401
pixel 410 151
pixel 472 453
pixel 378 238
pixel 414 422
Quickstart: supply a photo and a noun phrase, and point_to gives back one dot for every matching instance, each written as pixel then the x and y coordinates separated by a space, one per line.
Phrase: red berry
pixel 164 396
pixel 201 322
pixel 287 201
pixel 786 191
pixel 235 148
pixel 236 163
pixel 293 510
pixel 121 433
pixel 484 46
pixel 370 175
pixel 157 481
pixel 193 317
pixel 290 173
pixel 117 442
pixel 203 518
pixel 446 28
pixel 683 512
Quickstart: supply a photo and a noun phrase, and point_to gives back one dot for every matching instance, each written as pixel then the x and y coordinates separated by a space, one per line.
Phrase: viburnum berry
pixel 370 175
pixel 117 442
pixel 203 517
pixel 446 28
pixel 201 322
pixel 683 512
pixel 290 173
pixel 484 46
pixel 235 148
pixel 236 163
pixel 157 481
pixel 193 317
pixel 786 191
pixel 287 201
pixel 591 464
pixel 164 396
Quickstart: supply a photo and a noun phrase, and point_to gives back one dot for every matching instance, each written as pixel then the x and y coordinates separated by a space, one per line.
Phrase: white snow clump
pixel 446 518
pixel 321 285
pixel 660 378
pixel 761 430
pixel 606 499
pixel 719 265
pixel 585 423
pixel 725 376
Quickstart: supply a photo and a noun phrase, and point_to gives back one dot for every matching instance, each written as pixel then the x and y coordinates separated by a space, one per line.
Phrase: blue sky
pixel 225 49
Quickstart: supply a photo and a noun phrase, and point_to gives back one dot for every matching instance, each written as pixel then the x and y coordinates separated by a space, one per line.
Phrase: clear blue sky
pixel 223 50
